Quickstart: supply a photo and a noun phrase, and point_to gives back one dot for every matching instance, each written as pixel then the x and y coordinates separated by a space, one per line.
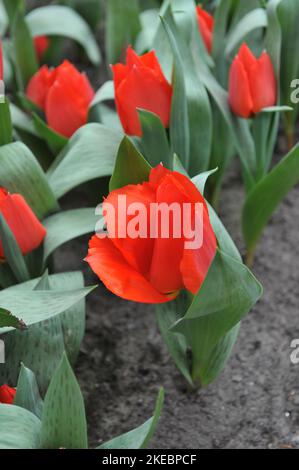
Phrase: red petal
pixel 7 394
pixel 240 99
pixel 206 26
pixel 165 272
pixel 118 276
pixel 196 263
pixel 136 251
pixel 263 83
pixel 247 57
pixel 39 86
pixel 23 223
pixel 142 89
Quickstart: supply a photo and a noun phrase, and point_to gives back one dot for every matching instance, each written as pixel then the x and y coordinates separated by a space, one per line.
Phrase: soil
pixel 123 360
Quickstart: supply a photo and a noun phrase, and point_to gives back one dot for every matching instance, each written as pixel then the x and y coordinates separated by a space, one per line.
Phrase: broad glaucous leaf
pixel 9 320
pixel 6 129
pixel 67 225
pixel 123 26
pixel 19 429
pixel 154 142
pixel 12 252
pixel 55 141
pixel 27 395
pixel 59 20
pixel 24 51
pixel 267 195
pixel 20 172
pixel 40 347
pixel 89 154
pixel 129 157
pixel 63 419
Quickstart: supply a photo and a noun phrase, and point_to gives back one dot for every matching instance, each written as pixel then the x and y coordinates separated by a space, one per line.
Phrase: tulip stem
pixel 249 258
pixel 290 138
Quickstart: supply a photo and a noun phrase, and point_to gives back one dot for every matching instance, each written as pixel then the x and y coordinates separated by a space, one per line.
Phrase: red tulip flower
pixel 64 94
pixel 252 83
pixel 26 228
pixel 141 84
pixel 41 44
pixel 7 394
pixel 206 27
pixel 152 269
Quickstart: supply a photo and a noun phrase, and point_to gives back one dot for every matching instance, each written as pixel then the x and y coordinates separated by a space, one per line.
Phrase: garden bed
pixel 255 401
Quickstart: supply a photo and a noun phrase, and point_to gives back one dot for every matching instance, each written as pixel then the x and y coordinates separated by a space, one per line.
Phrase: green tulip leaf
pixel 154 142
pixel 140 437
pixel 9 320
pixel 67 225
pixel 267 195
pixel 24 51
pixel 5 123
pixel 40 347
pixel 20 172
pixel 27 395
pixel 19 429
pixel 55 141
pixel 63 418
pixel 12 252
pixel 123 26
pixel 89 154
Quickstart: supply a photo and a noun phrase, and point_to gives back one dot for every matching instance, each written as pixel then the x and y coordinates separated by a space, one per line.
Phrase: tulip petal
pixel 165 272
pixel 136 251
pixel 240 99
pixel 7 394
pixel 141 89
pixel 27 229
pixel 263 83
pixel 39 86
pixel 118 276
pixel 67 103
pixel 196 262
pixel 206 26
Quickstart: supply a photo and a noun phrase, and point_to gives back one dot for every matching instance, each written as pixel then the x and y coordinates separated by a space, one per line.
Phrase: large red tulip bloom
pixel 152 269
pixel 252 83
pixel 26 228
pixel 7 394
pixel 141 84
pixel 64 94
pixel 41 44
pixel 206 27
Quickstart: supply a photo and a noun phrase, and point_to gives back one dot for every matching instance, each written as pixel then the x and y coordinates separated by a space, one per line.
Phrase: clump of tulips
pixel 185 97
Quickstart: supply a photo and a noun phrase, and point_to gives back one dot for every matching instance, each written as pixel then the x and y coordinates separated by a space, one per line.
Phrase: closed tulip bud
pixel 206 27
pixel 141 84
pixel 252 83
pixel 7 394
pixel 154 267
pixel 26 228
pixel 41 44
pixel 64 94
